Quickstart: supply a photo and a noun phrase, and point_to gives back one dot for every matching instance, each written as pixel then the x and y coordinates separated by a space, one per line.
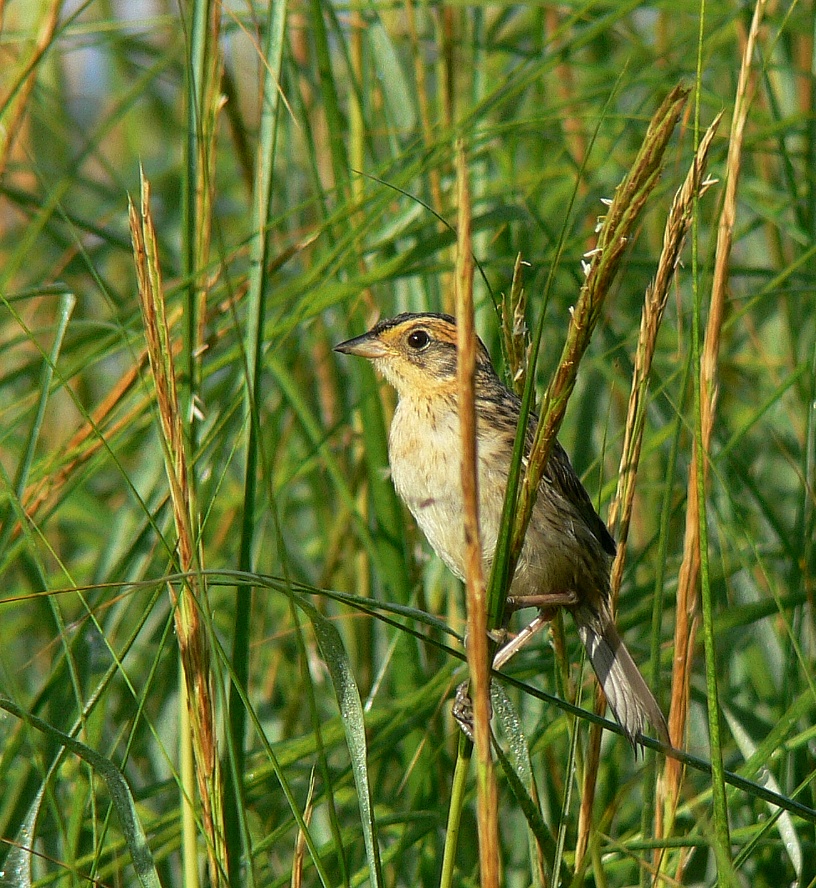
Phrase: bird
pixel 567 553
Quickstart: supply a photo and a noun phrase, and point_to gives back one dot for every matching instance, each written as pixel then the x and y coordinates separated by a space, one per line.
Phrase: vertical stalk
pixel 203 100
pixel 256 314
pixel 695 556
pixel 191 610
pixel 620 513
pixel 477 646
pixel 15 99
pixel 202 95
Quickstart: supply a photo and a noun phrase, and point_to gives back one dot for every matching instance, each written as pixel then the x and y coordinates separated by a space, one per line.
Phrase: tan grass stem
pixel 477 642
pixel 14 104
pixel 689 575
pixel 191 598
pixel 624 210
pixel 620 512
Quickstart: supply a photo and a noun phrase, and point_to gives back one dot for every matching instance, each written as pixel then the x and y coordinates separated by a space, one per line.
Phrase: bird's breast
pixel 424 450
pixel 425 455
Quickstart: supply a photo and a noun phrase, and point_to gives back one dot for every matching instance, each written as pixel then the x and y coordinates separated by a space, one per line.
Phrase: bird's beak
pixel 365 346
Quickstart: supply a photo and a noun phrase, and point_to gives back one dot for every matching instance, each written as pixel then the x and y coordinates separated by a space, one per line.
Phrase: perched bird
pixel 567 553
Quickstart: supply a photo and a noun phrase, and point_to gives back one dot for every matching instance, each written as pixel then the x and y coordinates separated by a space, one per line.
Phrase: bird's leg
pixel 512 647
pixel 548 601
pixel 547 605
pixel 462 704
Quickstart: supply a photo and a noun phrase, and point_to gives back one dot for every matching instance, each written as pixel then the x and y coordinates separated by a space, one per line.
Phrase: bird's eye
pixel 419 339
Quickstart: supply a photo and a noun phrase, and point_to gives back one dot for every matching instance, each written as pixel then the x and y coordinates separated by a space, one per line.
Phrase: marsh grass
pixel 225 654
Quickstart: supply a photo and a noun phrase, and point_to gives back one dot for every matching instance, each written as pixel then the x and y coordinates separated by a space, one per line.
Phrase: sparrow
pixel 567 553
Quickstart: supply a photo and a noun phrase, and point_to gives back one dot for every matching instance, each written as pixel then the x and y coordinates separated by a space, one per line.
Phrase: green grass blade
pixel 118 788
pixel 66 308
pixel 254 343
pixel 351 713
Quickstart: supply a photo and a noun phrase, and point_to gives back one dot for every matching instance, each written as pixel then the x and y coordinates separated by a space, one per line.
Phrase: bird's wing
pixel 561 475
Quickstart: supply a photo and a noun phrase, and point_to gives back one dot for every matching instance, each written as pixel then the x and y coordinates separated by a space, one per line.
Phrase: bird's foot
pixel 463 711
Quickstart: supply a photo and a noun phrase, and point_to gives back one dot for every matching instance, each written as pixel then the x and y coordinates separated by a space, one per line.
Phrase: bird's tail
pixel 630 699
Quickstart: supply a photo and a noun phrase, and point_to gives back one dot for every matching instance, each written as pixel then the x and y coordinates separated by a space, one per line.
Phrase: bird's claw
pixel 462 710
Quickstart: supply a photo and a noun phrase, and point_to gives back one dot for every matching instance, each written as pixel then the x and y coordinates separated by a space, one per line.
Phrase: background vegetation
pixel 301 168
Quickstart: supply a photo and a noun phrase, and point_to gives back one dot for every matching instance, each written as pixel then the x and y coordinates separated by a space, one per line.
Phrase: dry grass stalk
pixel 300 840
pixel 617 226
pixel 604 263
pixel 624 210
pixel 564 83
pixel 514 332
pixel 620 512
pixel 193 642
pixel 477 647
pixel 14 103
pixel 424 103
pixel 87 441
pixel 657 294
pixel 688 579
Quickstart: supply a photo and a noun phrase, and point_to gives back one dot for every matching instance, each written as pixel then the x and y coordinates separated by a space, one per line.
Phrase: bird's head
pixel 416 353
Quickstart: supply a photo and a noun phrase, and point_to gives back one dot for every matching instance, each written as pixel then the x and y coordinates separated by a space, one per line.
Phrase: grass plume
pixel 190 601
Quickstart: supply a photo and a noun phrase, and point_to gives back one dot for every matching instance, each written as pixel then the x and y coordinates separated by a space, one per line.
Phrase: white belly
pixel 425 456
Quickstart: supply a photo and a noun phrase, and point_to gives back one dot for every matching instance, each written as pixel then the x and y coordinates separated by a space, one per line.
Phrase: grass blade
pixel 117 787
pixel 236 835
pixel 351 713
